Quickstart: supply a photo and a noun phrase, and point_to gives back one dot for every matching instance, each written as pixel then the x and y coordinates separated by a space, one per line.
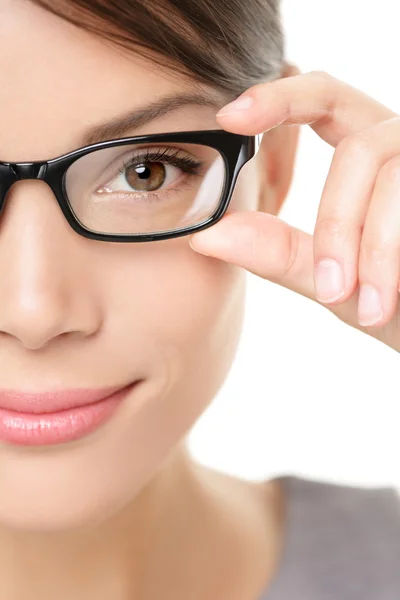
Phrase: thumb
pixel 264 245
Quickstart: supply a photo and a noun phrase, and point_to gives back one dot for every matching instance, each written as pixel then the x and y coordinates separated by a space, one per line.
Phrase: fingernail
pixel 329 281
pixel 242 103
pixel 369 305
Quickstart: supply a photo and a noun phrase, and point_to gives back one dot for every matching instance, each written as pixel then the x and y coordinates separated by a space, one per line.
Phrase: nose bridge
pixel 39 298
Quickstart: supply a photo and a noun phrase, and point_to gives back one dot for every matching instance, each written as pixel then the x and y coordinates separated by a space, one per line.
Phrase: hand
pixel 358 221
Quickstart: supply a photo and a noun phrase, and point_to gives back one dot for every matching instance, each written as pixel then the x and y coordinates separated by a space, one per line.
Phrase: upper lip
pixel 53 401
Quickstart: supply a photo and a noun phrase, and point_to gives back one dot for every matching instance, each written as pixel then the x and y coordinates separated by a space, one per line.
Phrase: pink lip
pixel 56 417
pixel 49 402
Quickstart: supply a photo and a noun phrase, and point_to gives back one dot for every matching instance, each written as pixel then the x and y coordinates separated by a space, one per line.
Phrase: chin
pixel 53 493
pixel 86 482
pixel 59 513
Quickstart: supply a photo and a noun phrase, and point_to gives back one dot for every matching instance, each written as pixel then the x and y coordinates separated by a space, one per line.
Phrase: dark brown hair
pixel 227 44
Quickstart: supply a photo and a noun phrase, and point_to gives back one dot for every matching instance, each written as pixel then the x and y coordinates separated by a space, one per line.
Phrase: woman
pixel 110 351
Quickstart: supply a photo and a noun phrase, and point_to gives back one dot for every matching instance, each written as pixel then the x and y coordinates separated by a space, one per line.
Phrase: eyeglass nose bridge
pixel 10 173
pixel 32 170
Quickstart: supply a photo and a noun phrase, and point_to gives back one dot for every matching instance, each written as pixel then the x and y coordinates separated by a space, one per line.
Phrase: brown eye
pixel 145 177
pixel 151 173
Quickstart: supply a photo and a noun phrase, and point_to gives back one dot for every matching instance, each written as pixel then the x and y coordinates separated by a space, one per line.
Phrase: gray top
pixel 341 543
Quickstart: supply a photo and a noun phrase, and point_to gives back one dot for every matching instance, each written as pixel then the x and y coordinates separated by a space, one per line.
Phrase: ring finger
pixel 379 261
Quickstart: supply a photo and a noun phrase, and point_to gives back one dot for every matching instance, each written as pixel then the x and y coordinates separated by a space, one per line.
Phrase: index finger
pixel 333 108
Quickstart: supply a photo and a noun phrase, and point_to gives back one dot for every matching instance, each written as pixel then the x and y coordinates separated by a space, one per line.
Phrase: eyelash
pixel 185 163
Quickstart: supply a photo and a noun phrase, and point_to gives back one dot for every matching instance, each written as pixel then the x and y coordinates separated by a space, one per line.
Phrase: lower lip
pixel 28 429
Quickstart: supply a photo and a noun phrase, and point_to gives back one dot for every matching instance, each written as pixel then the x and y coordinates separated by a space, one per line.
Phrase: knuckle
pixel 258 241
pixel 293 245
pixel 360 144
pixel 372 252
pixel 329 227
pixel 259 90
pixel 320 75
pixel 390 171
pixel 376 250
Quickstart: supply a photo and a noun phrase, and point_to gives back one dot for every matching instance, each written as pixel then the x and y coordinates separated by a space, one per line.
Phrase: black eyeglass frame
pixel 236 150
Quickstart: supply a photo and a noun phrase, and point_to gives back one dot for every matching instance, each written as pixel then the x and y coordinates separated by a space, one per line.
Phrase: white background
pixel 307 394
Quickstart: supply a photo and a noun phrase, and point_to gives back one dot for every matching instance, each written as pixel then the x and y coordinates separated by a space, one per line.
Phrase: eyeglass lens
pixel 145 188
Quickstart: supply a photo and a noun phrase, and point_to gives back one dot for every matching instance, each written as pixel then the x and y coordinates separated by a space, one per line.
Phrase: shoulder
pixel 339 496
pixel 339 541
pixel 350 535
pixel 339 509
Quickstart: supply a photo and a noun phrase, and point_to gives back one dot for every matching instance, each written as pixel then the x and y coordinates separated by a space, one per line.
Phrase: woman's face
pixel 77 313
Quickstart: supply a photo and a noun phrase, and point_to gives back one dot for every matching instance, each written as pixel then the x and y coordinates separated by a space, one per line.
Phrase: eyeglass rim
pixel 235 149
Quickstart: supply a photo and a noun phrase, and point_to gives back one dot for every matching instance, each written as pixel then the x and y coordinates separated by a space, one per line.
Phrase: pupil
pixel 143 171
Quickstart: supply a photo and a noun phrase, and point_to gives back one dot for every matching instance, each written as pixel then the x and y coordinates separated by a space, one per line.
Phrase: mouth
pixel 57 417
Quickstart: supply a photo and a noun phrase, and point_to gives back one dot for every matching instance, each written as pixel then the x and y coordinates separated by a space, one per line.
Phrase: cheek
pixel 175 298
pixel 172 291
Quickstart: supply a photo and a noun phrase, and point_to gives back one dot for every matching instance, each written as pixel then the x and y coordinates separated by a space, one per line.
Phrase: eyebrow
pixel 118 127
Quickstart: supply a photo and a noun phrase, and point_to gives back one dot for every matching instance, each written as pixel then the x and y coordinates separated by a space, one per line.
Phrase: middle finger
pixel 344 206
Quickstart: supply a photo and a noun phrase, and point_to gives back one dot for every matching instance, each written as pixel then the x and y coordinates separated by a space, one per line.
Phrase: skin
pixel 126 513
pixel 123 512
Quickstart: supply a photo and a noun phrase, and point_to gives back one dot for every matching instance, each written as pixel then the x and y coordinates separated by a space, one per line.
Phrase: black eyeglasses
pixel 142 188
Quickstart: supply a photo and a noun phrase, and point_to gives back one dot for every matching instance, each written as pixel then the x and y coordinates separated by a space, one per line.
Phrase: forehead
pixel 61 79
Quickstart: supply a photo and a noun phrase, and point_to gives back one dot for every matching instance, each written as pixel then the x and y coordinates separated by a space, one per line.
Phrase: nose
pixel 45 280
